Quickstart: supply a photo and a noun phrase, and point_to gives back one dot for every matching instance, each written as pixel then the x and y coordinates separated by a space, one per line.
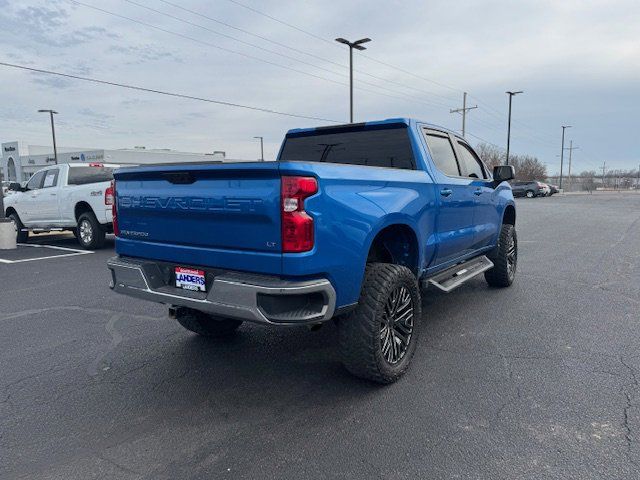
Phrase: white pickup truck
pixel 76 197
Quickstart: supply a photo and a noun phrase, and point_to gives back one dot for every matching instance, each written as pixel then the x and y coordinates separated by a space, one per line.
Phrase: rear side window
pixel 389 148
pixel 442 153
pixel 85 175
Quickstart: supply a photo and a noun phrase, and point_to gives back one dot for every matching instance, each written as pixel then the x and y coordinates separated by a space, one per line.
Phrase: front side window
pixel 51 178
pixel 442 153
pixel 471 161
pixel 374 147
pixel 35 182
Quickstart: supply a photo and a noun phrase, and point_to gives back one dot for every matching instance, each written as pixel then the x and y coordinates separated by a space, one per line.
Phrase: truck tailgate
pixel 191 212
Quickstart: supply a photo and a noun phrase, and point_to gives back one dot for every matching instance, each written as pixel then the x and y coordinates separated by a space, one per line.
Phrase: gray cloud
pixel 138 54
pixel 576 61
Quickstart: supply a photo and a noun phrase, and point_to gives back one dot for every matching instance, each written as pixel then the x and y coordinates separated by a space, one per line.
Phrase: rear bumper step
pixel 455 276
pixel 255 298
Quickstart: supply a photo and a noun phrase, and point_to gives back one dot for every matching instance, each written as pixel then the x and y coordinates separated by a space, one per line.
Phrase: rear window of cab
pixel 388 147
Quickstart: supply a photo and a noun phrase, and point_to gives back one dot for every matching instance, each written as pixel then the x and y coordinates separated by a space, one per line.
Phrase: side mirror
pixel 15 187
pixel 503 173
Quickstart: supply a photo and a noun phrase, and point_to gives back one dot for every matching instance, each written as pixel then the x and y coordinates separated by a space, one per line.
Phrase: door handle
pixel 445 192
pixel 477 192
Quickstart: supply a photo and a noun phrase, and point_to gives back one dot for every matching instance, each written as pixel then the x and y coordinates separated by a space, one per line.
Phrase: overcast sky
pixel 578 63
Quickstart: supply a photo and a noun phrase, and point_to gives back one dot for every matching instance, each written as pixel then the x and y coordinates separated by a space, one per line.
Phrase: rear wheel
pixel 378 339
pixel 90 233
pixel 22 236
pixel 205 324
pixel 504 258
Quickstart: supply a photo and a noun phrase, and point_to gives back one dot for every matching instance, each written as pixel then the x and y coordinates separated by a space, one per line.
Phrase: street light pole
pixel 564 127
pixel 358 46
pixel 511 94
pixel 261 148
pixel 53 132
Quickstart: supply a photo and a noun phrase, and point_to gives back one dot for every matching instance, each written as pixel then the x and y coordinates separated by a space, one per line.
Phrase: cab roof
pixel 387 123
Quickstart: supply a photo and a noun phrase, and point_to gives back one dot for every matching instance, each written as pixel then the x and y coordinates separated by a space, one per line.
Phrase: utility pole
pixel 358 46
pixel 261 148
pixel 511 94
pixel 571 149
pixel 604 166
pixel 463 110
pixel 53 132
pixel 1 205
pixel 564 127
pixel 638 182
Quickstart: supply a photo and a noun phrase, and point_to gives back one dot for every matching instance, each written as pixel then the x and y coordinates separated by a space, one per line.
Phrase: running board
pixel 455 276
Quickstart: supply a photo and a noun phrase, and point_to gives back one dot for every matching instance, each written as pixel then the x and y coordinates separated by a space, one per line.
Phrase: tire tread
pixel 359 330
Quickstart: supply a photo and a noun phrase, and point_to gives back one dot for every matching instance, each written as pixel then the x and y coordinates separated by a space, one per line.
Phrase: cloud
pixel 138 54
pixel 573 59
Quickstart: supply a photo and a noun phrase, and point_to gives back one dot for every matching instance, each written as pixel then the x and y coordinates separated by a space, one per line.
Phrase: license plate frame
pixel 191 279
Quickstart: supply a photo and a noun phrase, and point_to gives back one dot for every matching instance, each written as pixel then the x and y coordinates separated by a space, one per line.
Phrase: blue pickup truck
pixel 351 223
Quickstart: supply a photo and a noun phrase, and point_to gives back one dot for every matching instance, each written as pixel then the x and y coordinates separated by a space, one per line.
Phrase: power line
pixel 342 74
pixel 487 108
pixel 368 57
pixel 484 140
pixel 280 44
pixel 317 37
pixel 399 95
pixel 164 92
pixel 177 34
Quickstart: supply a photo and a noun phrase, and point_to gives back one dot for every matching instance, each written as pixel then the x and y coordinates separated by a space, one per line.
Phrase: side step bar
pixel 455 276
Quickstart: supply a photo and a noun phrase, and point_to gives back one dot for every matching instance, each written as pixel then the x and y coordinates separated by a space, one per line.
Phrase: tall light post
pixel 261 148
pixel 358 46
pixel 53 132
pixel 511 94
pixel 564 127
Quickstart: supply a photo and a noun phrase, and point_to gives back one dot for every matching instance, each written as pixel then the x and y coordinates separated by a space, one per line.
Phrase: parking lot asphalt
pixel 532 382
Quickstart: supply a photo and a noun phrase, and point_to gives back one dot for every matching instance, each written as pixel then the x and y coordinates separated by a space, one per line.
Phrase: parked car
pixel 553 189
pixel 76 197
pixel 5 188
pixel 546 190
pixel 528 189
pixel 348 224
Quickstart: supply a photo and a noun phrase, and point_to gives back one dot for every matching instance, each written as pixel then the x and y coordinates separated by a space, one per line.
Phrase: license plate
pixel 190 279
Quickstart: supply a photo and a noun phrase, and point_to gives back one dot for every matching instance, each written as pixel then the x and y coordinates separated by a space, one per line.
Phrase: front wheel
pixel 530 194
pixel 378 339
pixel 504 258
pixel 22 235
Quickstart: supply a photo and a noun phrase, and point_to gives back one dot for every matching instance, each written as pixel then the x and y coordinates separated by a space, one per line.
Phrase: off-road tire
pixel 21 236
pixel 504 267
pixel 205 324
pixel 359 332
pixel 95 239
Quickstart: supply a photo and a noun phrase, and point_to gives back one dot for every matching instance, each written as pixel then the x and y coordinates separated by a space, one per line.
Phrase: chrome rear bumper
pixel 255 298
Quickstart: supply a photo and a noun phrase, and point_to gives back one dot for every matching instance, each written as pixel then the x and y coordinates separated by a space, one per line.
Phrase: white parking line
pixel 74 253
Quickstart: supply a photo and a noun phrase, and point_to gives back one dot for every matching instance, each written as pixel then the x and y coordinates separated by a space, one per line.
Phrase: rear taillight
pixel 297 225
pixel 114 209
pixel 108 195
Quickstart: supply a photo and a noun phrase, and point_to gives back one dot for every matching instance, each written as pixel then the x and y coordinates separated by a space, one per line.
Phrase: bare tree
pixel 491 155
pixel 528 167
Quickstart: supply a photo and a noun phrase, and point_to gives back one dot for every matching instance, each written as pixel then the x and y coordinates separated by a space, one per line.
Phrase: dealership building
pixel 20 161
